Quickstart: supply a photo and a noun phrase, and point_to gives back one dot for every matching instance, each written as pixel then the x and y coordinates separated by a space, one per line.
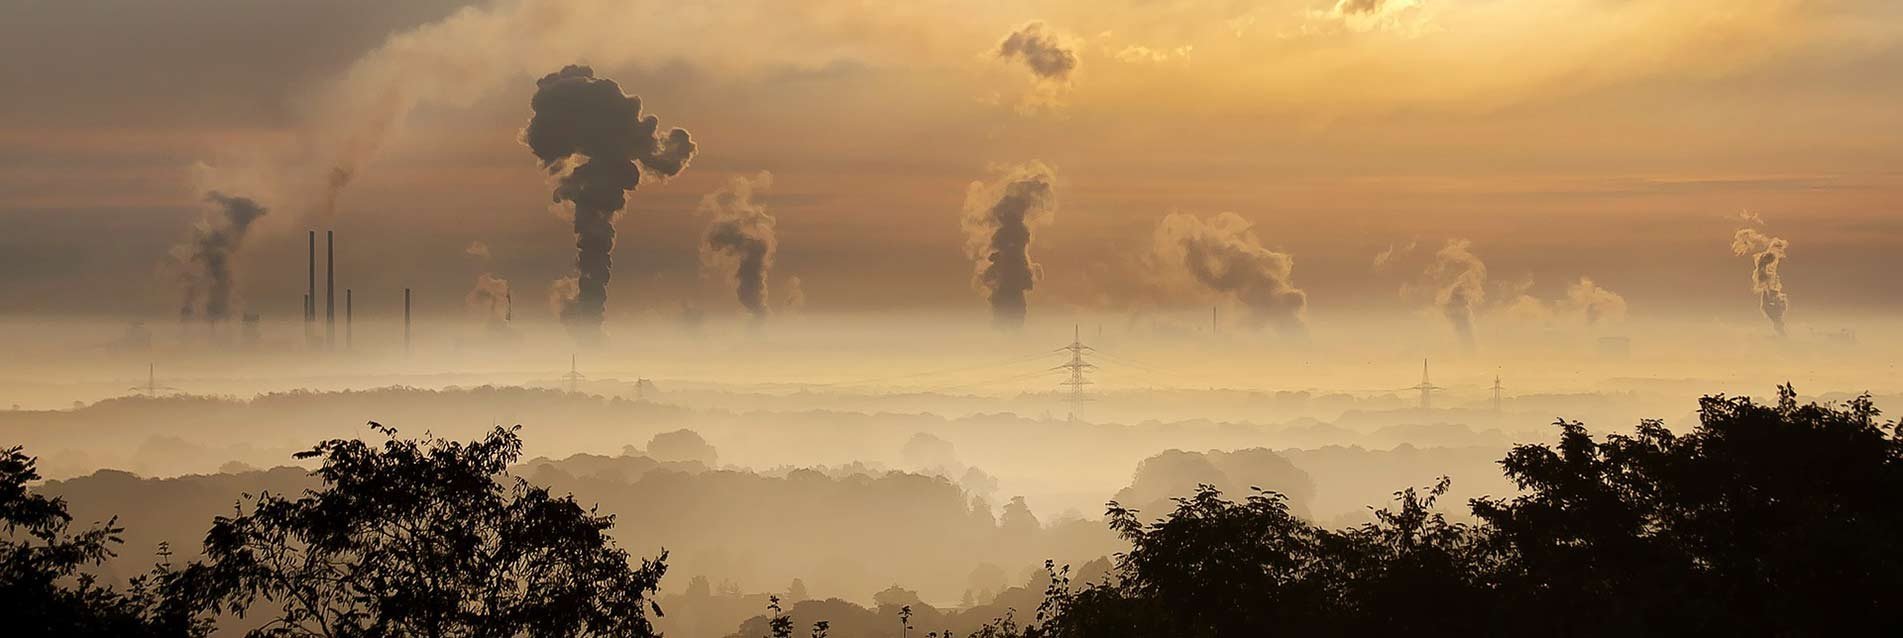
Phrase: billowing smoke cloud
pixel 596 142
pixel 1392 253
pixel 1224 254
pixel 998 218
pixel 1767 253
pixel 1460 285
pixel 1594 302
pixel 740 235
pixel 209 257
pixel 1042 52
pixel 477 249
pixel 490 300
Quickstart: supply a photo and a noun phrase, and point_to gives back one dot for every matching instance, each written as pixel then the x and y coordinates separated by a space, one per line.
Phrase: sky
pixel 1287 143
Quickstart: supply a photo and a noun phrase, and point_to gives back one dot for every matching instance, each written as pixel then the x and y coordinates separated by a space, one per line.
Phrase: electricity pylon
pixel 1077 367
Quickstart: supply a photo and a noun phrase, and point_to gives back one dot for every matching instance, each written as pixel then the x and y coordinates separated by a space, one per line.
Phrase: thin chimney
pixel 310 286
pixel 330 288
pixel 347 315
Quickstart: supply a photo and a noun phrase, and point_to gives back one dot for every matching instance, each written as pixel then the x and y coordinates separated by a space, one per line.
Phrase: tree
pixel 43 590
pixel 1764 519
pixel 426 538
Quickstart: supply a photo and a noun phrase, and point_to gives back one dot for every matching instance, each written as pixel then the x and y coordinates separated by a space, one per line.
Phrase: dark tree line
pixel 1774 520
pixel 1778 519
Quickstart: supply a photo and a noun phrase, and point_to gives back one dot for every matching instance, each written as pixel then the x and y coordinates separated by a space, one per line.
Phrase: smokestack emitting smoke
pixel 489 299
pixel 596 142
pixel 1460 281
pixel 209 256
pixel 740 234
pixel 348 333
pixel 1225 255
pixel 997 220
pixel 406 320
pixel 1767 253
pixel 310 282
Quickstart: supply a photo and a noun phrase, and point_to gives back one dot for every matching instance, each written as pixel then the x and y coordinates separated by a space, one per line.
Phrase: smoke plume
pixel 740 235
pixel 477 249
pixel 795 297
pixel 490 300
pixel 1460 284
pixel 1594 302
pixel 1041 51
pixel 597 144
pixel 998 218
pixel 210 254
pixel 1767 253
pixel 1224 255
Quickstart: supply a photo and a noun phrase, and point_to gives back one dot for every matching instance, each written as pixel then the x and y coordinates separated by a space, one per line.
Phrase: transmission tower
pixel 1496 393
pixel 1426 388
pixel 1077 367
pixel 574 376
pixel 151 387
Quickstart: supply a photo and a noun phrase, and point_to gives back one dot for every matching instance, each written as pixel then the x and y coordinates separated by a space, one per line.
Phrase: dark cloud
pixel 1767 254
pixel 1351 7
pixel 1224 255
pixel 594 139
pixel 1041 50
pixel 998 218
pixel 209 256
pixel 740 234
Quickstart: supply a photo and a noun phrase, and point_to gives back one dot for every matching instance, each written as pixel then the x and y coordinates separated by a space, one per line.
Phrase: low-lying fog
pixel 855 453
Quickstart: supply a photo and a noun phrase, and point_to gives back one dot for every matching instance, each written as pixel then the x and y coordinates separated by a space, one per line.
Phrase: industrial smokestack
pixel 330 289
pixel 347 316
pixel 406 321
pixel 310 285
pixel 595 141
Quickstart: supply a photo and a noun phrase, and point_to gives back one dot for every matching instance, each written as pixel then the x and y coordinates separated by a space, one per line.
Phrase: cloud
pixel 210 256
pixel 478 250
pixel 1041 50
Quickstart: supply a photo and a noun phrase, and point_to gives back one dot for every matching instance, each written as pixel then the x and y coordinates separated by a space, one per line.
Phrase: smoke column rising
pixel 1460 281
pixel 209 255
pixel 489 299
pixel 597 144
pixel 740 234
pixel 1767 253
pixel 998 218
pixel 1224 255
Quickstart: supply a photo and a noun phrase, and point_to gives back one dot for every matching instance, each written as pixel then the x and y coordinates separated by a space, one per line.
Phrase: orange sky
pixel 1607 139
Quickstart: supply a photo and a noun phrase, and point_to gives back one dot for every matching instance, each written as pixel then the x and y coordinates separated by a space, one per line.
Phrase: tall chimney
pixel 406 320
pixel 330 288
pixel 310 287
pixel 347 315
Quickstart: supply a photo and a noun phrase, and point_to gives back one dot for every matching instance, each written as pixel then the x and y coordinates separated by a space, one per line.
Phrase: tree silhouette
pixel 1764 519
pixel 426 538
pixel 43 591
